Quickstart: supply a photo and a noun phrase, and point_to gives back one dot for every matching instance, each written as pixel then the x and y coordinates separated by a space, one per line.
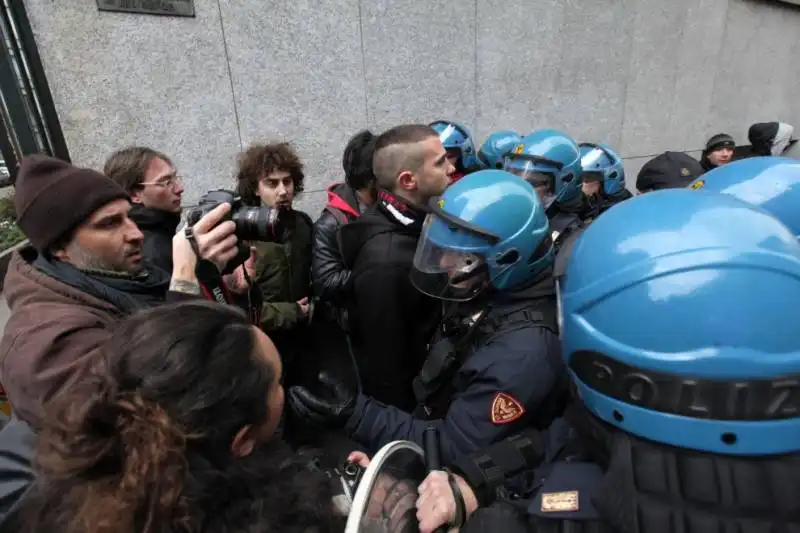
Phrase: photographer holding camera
pixel 82 272
pixel 270 176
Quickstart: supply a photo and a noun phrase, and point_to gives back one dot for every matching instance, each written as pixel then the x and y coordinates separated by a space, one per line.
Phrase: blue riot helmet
pixel 457 138
pixel 488 230
pixel 496 146
pixel 772 183
pixel 679 323
pixel 601 163
pixel 551 161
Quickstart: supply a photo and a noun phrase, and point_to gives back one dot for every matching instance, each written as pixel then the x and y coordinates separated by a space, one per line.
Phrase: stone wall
pixel 642 75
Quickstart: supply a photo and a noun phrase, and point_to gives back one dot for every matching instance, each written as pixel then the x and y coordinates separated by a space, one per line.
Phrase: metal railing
pixel 28 122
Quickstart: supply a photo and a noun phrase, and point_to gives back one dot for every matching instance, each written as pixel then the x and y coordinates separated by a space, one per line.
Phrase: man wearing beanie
pixel 82 273
pixel 719 151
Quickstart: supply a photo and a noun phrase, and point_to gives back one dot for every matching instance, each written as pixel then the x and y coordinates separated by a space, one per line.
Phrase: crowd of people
pixel 586 356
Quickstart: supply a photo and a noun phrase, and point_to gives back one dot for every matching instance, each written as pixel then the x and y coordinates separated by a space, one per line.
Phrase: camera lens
pixel 257 224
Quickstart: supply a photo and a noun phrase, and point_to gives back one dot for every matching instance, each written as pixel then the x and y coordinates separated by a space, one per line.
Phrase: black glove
pixel 330 408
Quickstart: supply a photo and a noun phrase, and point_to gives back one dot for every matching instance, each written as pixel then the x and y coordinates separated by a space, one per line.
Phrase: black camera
pixel 252 223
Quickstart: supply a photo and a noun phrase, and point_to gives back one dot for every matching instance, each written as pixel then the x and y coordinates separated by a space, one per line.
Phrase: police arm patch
pixel 506 409
pixel 559 502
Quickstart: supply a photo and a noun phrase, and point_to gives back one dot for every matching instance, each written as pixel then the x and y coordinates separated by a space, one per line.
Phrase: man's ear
pixel 136 195
pixel 407 181
pixel 244 442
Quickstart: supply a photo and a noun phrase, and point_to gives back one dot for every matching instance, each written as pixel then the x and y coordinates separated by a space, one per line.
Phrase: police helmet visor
pixel 453 136
pixel 531 171
pixel 595 157
pixel 450 261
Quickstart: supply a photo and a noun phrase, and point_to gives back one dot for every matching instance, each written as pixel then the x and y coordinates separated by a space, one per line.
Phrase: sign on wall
pixel 176 8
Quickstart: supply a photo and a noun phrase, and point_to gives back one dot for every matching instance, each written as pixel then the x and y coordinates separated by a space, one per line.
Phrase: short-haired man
pixel 155 188
pixel 390 321
pixel 82 272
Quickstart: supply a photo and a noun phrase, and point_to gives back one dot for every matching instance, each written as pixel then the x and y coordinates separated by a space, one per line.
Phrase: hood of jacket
pixel 344 198
pixel 770 138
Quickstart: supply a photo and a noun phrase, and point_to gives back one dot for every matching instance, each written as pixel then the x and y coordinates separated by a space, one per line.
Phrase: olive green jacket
pixel 283 272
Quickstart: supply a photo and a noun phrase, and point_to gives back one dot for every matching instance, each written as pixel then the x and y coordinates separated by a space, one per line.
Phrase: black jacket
pixel 602 202
pixel 391 322
pixel 158 228
pixel 330 277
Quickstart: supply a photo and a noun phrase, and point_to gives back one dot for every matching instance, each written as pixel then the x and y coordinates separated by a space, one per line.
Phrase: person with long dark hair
pixel 176 435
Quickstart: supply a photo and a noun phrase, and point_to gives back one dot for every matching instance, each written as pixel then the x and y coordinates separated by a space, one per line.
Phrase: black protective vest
pixel 646 487
pixel 457 339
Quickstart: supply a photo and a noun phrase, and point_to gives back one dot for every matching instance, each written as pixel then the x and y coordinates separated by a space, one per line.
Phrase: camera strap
pixel 211 282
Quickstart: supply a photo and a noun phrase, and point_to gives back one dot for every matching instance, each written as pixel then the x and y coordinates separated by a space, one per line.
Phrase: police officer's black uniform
pixel 494 368
pixel 569 218
pixel 593 478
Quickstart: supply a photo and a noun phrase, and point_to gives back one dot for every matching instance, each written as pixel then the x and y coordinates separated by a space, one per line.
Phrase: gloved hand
pixel 330 408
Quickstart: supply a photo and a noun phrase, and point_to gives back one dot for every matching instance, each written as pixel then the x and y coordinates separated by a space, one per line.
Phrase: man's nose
pixel 133 233
pixel 178 188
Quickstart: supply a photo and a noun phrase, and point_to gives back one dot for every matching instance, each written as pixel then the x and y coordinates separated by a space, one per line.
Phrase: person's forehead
pixel 433 146
pixel 277 175
pixel 158 168
pixel 114 208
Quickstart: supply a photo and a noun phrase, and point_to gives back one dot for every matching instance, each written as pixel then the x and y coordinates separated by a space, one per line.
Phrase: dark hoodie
pixel 772 138
pixel 328 274
pixel 158 227
pixel 391 322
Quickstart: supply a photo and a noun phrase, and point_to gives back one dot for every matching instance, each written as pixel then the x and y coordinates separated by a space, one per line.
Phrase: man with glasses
pixel 155 190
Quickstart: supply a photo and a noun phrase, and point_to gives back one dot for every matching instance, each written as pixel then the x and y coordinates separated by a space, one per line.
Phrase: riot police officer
pixel 771 183
pixel 603 178
pixel 551 161
pixel 679 332
pixel 495 366
pixel 460 146
pixel 496 147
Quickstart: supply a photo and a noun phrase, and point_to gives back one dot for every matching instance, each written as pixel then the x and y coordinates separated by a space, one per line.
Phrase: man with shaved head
pixel 390 321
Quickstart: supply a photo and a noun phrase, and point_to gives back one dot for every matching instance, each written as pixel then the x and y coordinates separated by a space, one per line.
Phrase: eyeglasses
pixel 169 182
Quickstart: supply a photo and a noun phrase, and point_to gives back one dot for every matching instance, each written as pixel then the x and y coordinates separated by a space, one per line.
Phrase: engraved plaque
pixel 176 8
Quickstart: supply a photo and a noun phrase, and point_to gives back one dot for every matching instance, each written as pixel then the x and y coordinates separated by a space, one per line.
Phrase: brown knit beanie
pixel 53 197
